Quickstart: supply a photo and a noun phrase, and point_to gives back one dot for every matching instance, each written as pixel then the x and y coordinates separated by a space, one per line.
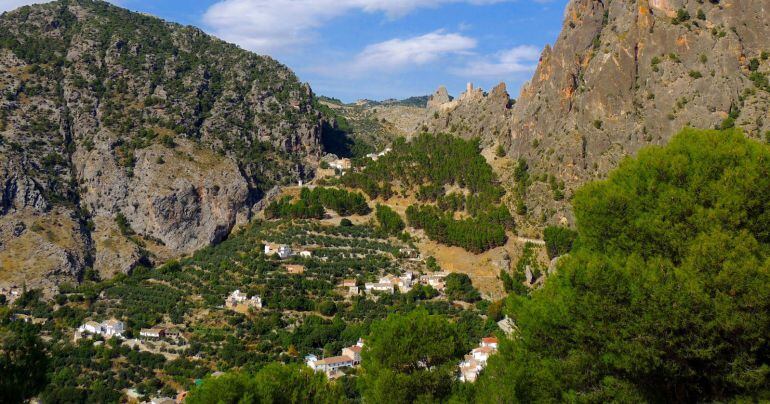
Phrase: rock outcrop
pixel 473 114
pixel 626 74
pixel 439 98
pixel 124 139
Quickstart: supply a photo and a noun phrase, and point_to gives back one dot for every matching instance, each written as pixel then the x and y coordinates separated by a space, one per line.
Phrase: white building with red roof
pixel 476 360
pixel 351 356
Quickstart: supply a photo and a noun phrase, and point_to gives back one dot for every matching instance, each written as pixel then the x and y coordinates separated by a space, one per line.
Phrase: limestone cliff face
pixel 124 138
pixel 473 114
pixel 625 74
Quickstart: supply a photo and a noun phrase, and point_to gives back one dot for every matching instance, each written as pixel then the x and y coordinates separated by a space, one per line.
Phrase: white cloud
pixel 269 25
pixel 520 59
pixel 8 5
pixel 400 53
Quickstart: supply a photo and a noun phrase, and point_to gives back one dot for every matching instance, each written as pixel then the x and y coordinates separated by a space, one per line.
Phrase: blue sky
pixel 377 49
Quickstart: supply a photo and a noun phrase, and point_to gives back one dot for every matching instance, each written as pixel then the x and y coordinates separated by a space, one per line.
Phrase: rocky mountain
pixel 622 75
pixel 474 113
pixel 125 138
pixel 626 74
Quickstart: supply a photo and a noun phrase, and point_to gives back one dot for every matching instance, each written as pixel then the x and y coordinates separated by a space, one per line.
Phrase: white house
pixel 238 298
pixel 282 250
pixel 405 282
pixel 436 280
pixel 470 369
pixel 340 164
pixel 331 364
pixel 482 353
pixel 155 332
pixel 385 287
pixel 305 254
pixel 91 327
pixel 354 352
pixel 476 361
pixel 107 329
pixel 163 400
pixel 113 327
pixel 489 342
pixel 351 356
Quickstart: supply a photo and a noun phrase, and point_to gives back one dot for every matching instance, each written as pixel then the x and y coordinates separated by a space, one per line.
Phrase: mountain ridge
pixel 136 137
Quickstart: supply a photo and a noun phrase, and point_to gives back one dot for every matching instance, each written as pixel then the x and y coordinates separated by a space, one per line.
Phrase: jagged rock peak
pixel 441 96
pixel 625 74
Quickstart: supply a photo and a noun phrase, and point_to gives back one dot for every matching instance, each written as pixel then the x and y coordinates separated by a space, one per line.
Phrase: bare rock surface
pixel 126 139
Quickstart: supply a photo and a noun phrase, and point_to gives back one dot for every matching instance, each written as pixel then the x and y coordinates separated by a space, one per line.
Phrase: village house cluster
pixel 476 360
pixel 241 301
pixel 107 329
pixel 390 283
pixel 332 367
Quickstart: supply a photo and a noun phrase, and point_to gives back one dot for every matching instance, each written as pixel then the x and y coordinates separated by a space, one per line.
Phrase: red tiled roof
pixel 489 340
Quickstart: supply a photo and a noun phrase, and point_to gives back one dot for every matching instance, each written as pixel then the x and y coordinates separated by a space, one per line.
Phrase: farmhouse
pixel 385 287
pixel 340 164
pixel 351 356
pixel 436 280
pixel 107 329
pixel 155 332
pixel 282 250
pixel 238 299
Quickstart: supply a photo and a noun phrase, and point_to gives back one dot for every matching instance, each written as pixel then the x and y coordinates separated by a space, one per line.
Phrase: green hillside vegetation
pixel 301 314
pixel 275 383
pixel 311 204
pixel 666 297
pixel 22 359
pixel 390 222
pixel 425 167
pixel 473 234
pixel 558 240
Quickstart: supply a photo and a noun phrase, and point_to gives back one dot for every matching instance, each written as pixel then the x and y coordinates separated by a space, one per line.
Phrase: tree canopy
pixel 409 357
pixel 558 240
pixel 666 296
pixel 22 360
pixel 275 383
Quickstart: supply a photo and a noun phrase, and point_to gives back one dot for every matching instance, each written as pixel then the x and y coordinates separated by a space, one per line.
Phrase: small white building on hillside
pixel 435 280
pixel 283 251
pixel 107 329
pixel 351 356
pixel 340 164
pixel 382 287
pixel 238 298
pixel 154 332
pixel 476 361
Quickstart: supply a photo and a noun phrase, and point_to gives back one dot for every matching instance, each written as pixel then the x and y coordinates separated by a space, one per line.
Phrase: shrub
pixel 558 240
